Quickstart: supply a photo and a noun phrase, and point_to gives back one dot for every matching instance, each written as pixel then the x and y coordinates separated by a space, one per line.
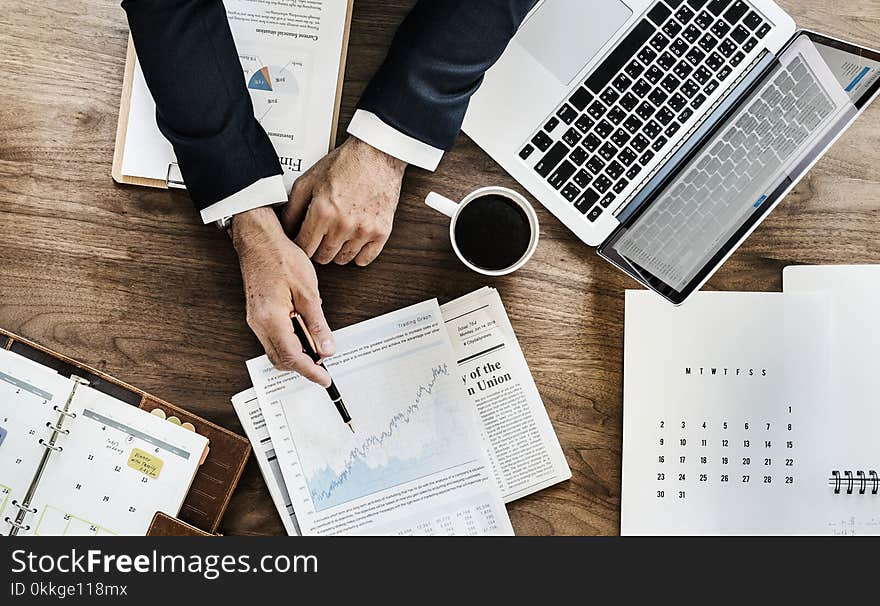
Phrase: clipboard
pixel 173 178
pixel 217 476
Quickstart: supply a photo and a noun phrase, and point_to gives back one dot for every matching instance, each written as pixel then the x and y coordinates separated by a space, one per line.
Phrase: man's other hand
pixel 342 208
pixel 279 279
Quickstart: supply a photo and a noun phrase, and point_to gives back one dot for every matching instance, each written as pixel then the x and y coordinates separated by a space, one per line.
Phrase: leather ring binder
pixel 22 507
pixel 71 415
pixel 213 485
pixel 51 445
pixel 17 525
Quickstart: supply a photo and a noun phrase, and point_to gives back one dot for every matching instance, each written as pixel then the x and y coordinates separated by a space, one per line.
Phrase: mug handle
pixel 441 204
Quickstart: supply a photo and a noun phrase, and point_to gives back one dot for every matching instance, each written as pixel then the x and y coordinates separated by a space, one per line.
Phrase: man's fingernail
pixel 327 347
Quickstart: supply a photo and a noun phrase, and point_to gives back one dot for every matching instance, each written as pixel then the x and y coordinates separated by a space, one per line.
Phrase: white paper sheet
pixel 28 393
pixel 415 464
pixel 854 424
pixel 522 447
pixel 725 405
pixel 120 465
pixel 247 407
pixel 290 54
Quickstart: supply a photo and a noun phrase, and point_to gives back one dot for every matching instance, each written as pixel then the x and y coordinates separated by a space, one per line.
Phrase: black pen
pixel 308 345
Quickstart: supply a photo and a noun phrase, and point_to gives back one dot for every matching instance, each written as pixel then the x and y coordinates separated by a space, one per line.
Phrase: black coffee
pixel 492 232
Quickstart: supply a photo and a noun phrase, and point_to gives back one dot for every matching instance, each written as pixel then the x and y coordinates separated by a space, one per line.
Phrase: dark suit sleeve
pixel 192 69
pixel 437 61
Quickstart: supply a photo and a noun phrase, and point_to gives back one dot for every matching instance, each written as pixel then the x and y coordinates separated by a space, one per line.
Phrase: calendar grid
pixel 69 522
pixel 6 491
pixel 706 452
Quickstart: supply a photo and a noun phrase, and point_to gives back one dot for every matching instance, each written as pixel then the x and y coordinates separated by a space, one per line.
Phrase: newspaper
pixel 514 426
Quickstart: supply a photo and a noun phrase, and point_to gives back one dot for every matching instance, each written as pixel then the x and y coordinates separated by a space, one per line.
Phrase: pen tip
pixel 350 426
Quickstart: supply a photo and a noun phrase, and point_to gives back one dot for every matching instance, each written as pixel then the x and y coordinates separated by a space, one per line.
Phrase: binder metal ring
pixel 849 481
pixel 836 475
pixel 22 507
pixel 51 445
pixel 15 524
pixel 57 428
pixel 60 411
pixel 875 479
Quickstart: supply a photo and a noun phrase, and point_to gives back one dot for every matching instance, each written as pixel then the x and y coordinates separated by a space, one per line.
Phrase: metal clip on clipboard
pixel 173 176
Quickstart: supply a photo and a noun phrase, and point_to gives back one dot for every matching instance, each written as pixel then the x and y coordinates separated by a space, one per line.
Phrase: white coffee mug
pixel 453 210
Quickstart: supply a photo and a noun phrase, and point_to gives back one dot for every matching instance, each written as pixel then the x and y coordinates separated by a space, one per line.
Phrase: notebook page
pixel 725 402
pixel 28 393
pixel 853 430
pixel 119 465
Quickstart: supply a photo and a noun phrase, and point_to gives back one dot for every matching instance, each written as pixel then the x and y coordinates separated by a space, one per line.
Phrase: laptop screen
pixel 728 181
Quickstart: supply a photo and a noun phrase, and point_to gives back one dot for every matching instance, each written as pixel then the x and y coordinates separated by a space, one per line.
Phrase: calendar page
pixel 119 465
pixel 725 400
pixel 28 394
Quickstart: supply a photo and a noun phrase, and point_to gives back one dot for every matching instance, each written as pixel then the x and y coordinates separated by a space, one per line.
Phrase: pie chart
pixel 272 78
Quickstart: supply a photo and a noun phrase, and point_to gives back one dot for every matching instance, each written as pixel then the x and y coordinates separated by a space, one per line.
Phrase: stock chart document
pixel 415 464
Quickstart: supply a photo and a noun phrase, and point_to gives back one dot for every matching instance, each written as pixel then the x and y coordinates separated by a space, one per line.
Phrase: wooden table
pixel 128 280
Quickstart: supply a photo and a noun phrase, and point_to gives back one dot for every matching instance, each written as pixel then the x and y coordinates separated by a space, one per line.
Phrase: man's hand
pixel 343 207
pixel 279 279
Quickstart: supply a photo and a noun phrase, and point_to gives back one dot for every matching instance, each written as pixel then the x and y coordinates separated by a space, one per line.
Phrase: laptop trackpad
pixel 563 35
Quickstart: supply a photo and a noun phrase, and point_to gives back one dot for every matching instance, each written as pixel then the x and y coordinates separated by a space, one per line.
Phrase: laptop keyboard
pixel 634 103
pixel 748 156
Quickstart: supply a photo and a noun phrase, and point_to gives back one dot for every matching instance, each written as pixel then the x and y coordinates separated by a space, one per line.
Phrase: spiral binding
pixel 850 481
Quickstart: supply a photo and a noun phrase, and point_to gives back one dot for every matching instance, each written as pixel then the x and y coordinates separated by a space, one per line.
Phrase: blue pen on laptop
pixel 308 345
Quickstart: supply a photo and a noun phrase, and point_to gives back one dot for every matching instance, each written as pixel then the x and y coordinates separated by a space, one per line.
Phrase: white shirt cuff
pixel 263 192
pixel 369 128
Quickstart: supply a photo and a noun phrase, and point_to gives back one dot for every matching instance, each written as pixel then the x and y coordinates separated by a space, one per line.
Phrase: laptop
pixel 664 131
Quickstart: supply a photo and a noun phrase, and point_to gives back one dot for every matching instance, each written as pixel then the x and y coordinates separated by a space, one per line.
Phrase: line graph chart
pixel 328 487
pixel 411 415
pixel 416 457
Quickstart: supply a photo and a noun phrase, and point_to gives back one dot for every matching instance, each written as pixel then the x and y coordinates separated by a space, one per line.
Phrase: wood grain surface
pixel 128 280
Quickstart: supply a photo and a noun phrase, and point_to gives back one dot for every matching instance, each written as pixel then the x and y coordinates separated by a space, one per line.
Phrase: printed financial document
pixel 290 54
pixel 247 407
pixel 415 464
pixel 522 447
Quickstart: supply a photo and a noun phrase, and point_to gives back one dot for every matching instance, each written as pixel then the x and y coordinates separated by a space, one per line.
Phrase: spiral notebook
pixel 853 466
pixel 754 413
pixel 77 461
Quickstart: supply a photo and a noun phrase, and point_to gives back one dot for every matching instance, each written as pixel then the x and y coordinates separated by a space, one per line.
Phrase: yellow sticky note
pixel 146 463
